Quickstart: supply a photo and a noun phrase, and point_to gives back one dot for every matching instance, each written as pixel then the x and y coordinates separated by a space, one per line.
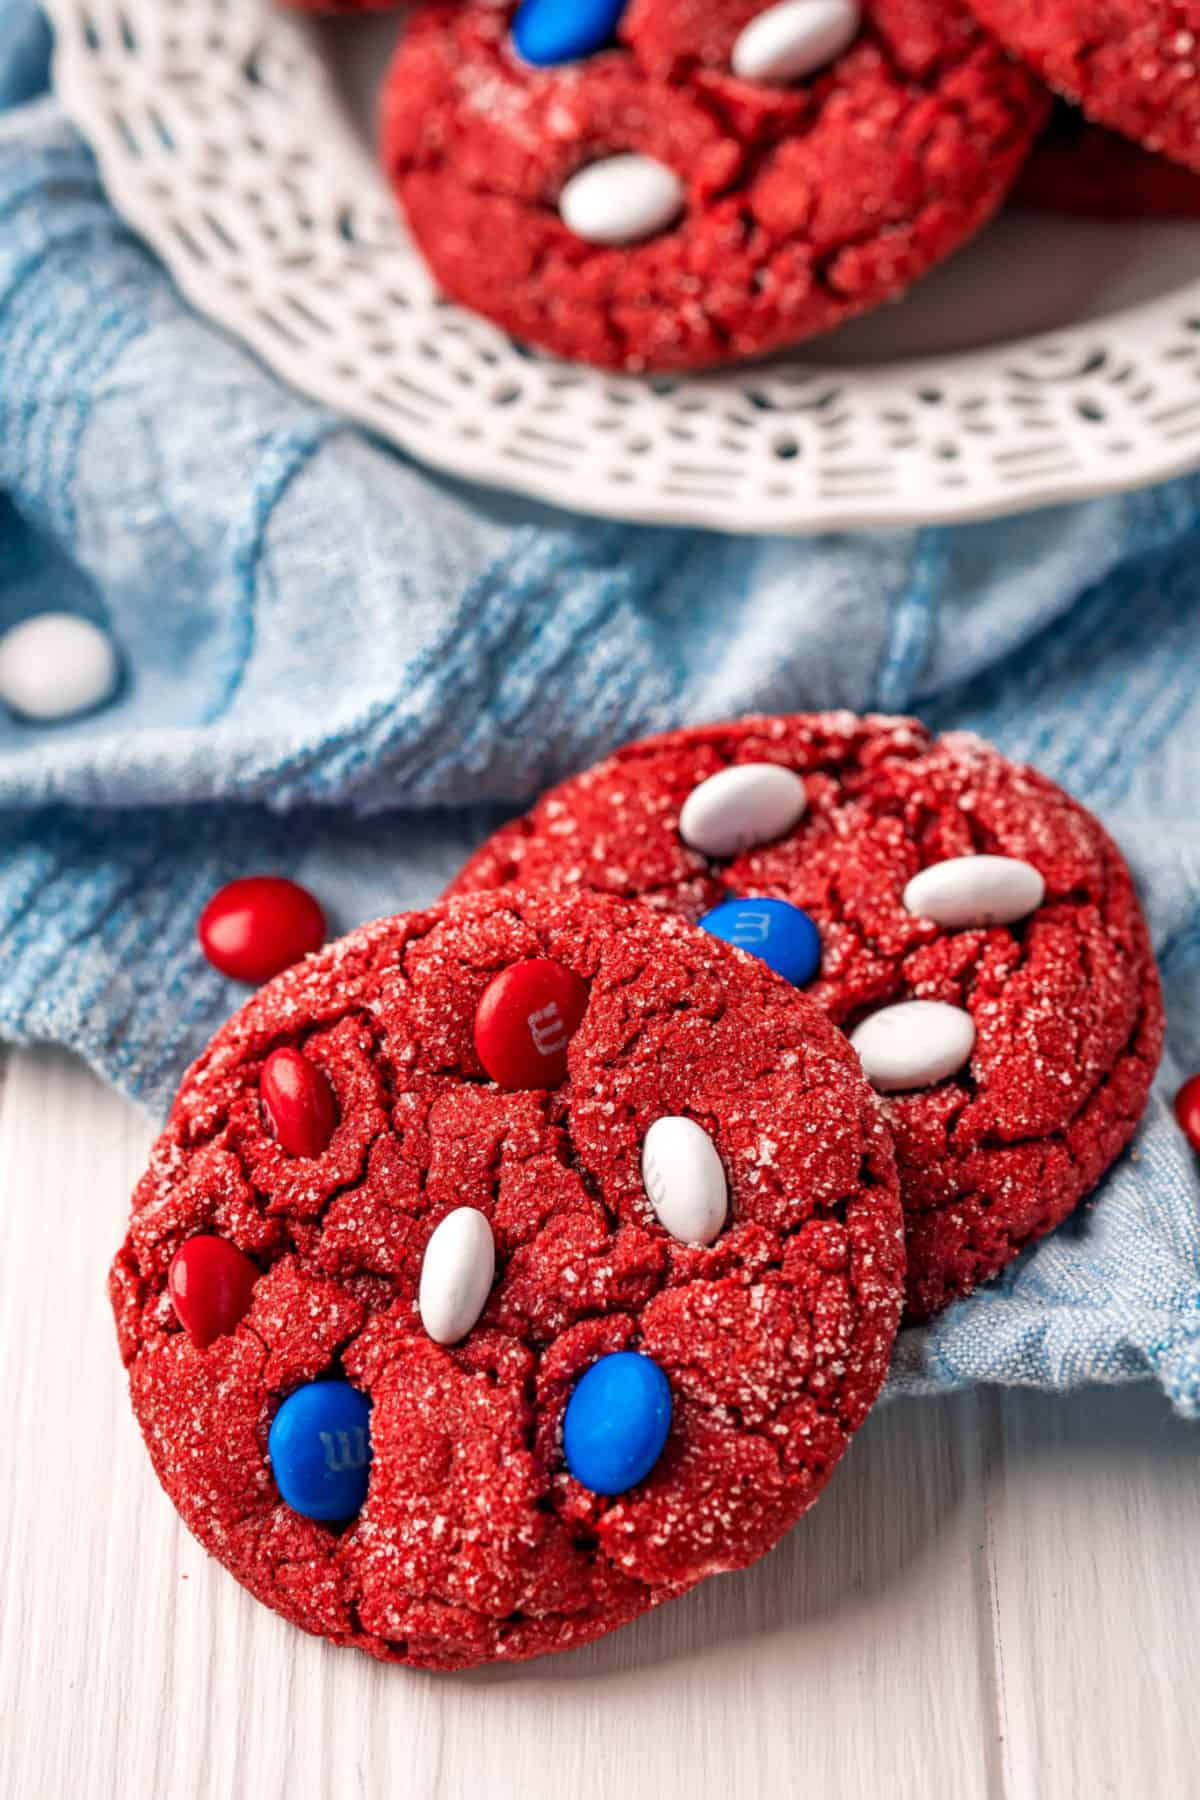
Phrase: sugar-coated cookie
pixel 456 1369
pixel 699 180
pixel 1133 65
pixel 1058 1011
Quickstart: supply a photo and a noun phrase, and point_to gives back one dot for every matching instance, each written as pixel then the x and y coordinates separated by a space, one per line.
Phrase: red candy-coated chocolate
pixel 253 928
pixel 525 1021
pixel 212 1285
pixel 299 1101
pixel 1187 1111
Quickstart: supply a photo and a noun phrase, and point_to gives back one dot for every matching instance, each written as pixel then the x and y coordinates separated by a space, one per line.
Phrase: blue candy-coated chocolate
pixel 783 936
pixel 320 1449
pixel 616 1422
pixel 546 32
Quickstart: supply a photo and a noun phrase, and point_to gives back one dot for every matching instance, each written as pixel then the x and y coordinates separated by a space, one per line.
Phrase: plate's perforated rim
pixel 222 140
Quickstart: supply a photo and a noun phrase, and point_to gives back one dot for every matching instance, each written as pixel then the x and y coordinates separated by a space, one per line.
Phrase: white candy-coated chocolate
pixel 684 1180
pixel 621 200
pixel 55 666
pixel 739 807
pixel 914 1044
pixel 975 890
pixel 785 43
pixel 456 1275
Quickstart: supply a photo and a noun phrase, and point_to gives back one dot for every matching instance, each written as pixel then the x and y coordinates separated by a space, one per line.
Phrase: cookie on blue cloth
pixel 937 873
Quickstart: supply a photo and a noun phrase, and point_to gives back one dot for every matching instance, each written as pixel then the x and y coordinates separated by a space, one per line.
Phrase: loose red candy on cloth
pixel 1064 1005
pixel 474 1542
pixel 1187 1111
pixel 299 1102
pixel 1130 64
pixel 524 1022
pixel 211 1285
pixel 647 208
pixel 253 928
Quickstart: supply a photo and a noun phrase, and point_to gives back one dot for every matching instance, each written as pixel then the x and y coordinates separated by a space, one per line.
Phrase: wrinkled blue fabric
pixel 340 667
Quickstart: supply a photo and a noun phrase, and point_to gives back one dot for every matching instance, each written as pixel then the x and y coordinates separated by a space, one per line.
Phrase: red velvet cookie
pixel 773 1331
pixel 1084 170
pixel 1133 65
pixel 1065 1002
pixel 756 209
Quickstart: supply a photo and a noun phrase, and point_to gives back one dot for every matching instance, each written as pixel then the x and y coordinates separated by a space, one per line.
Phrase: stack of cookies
pixel 658 185
pixel 505 1269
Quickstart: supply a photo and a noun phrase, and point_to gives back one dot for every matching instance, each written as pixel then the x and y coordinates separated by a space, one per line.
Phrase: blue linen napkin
pixel 342 668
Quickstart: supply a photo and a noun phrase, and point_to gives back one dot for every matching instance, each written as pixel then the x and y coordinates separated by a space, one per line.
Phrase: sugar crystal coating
pixel 474 1543
pixel 804 203
pixel 1066 1003
pixel 1133 65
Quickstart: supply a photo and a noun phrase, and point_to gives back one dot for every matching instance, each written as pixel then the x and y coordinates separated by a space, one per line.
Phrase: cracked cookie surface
pixel 1067 1003
pixel 803 204
pixel 475 1543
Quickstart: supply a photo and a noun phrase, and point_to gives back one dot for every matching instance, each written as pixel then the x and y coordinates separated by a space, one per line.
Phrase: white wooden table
pixel 999 1595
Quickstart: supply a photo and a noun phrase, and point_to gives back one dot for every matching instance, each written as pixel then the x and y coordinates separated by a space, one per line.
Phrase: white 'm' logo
pixel 548 1029
pixel 752 928
pixel 343 1455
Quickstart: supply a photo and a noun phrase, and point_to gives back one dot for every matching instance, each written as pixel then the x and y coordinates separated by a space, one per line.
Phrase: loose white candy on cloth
pixel 55 666
pixel 684 1180
pixel 787 42
pixel 738 807
pixel 975 890
pixel 914 1044
pixel 456 1275
pixel 621 200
